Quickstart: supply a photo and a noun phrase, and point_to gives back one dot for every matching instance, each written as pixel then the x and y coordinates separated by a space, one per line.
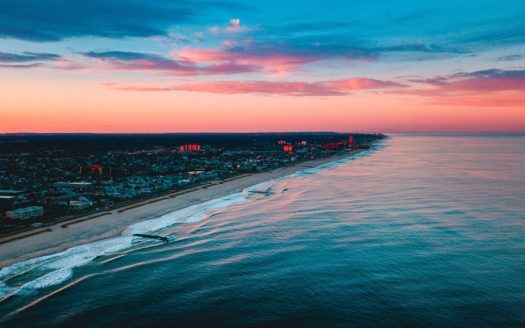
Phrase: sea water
pixel 422 230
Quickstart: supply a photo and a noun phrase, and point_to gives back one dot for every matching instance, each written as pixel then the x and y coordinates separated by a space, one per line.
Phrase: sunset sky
pixel 192 66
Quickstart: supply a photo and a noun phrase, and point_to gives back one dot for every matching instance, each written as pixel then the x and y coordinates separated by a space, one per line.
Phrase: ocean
pixel 419 231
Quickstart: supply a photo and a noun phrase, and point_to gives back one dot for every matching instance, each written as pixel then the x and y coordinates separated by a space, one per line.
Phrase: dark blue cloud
pixel 138 60
pixel 27 57
pixel 335 45
pixel 32 65
pixel 54 20
pixel 124 55
pixel 494 72
pixel 126 60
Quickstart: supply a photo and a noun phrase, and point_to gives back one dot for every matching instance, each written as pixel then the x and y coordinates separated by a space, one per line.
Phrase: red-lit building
pixel 190 147
pixel 288 148
pixel 335 145
pixel 351 140
pixel 92 169
pixel 96 169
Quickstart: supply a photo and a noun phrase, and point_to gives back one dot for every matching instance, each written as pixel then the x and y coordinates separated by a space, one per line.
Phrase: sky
pixel 246 66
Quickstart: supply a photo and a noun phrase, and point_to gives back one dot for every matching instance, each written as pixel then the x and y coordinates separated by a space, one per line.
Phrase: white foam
pixel 54 269
pixel 50 279
pixel 189 214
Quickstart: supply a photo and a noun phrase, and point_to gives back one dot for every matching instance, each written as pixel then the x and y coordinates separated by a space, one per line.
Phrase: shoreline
pixel 111 223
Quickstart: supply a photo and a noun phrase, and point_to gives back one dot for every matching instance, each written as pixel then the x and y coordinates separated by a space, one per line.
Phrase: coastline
pixel 107 224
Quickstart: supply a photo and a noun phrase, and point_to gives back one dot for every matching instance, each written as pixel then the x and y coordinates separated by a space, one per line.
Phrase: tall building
pixel 190 147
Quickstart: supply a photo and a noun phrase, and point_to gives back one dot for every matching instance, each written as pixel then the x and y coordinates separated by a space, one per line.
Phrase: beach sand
pixel 61 236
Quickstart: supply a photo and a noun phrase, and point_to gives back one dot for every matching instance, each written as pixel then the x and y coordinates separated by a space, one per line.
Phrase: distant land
pixel 50 178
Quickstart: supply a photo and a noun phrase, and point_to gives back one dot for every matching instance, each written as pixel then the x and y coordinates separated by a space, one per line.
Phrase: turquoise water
pixel 421 231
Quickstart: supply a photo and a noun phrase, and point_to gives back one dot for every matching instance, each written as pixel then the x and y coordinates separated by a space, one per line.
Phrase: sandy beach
pixel 61 236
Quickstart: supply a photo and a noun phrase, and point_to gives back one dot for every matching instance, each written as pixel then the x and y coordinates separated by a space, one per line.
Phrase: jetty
pixel 267 193
pixel 161 238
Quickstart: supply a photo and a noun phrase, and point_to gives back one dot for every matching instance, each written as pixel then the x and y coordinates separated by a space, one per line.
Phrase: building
pixel 62 199
pixel 26 213
pixel 334 146
pixel 190 147
pixel 80 204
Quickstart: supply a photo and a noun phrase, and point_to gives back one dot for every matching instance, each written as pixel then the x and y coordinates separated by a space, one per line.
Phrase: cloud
pixel 269 59
pixel 60 19
pixel 137 61
pixel 319 40
pixel 27 57
pixel 493 73
pixel 287 88
pixel 491 87
pixel 235 25
pixel 439 80
pixel 33 65
pixel 199 61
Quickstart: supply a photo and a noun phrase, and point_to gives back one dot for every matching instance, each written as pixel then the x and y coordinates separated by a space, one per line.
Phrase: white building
pixel 26 213
pixel 80 204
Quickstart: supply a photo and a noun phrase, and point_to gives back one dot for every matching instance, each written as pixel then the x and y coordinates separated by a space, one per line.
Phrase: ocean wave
pixel 189 214
pixel 54 269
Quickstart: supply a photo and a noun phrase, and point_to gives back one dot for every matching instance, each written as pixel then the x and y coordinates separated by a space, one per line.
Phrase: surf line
pixel 43 298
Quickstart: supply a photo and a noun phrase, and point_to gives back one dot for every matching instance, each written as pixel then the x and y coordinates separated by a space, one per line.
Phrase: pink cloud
pixel 274 63
pixel 483 90
pixel 235 25
pixel 286 88
pixel 486 84
pixel 362 84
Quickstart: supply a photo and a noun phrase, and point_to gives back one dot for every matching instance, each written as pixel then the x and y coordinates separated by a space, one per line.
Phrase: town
pixel 50 178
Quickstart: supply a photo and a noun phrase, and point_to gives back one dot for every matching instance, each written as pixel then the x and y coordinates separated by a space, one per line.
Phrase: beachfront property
pixel 68 181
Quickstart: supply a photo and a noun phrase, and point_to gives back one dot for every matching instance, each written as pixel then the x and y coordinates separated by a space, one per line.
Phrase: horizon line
pixel 263 132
